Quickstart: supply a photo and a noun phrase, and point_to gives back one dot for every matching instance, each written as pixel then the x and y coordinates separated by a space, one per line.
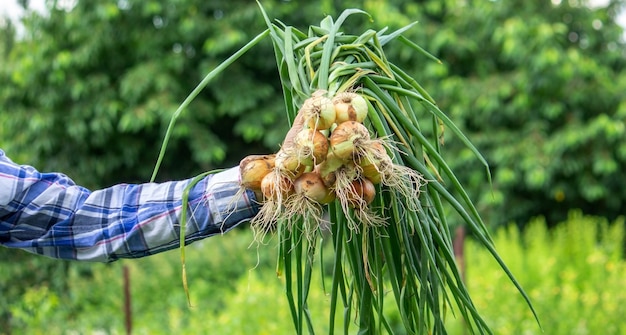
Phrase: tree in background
pixel 89 91
pixel 539 89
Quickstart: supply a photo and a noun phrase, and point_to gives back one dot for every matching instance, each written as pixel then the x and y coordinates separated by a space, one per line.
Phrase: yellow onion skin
pixel 346 137
pixel 311 146
pixel 253 168
pixel 288 162
pixel 328 168
pixel 374 162
pixel 319 112
pixel 363 192
pixel 275 186
pixel 372 173
pixel 311 185
pixel 377 169
pixel 350 106
pixel 330 197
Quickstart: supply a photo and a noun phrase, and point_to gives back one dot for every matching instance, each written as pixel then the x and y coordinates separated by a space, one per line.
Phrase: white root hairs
pixel 351 201
pixel 406 181
pixel 311 214
pixel 402 179
pixel 276 205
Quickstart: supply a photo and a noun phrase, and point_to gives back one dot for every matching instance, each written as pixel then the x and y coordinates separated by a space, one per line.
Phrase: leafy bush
pixel 537 86
pixel 573 273
pixel 92 300
pixel 259 306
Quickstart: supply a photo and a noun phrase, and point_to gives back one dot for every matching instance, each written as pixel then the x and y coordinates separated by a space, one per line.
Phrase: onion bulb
pixel 288 163
pixel 310 185
pixel 371 173
pixel 311 146
pixel 318 111
pixel 374 161
pixel 362 193
pixel 253 168
pixel 349 106
pixel 348 138
pixel 276 186
pixel 328 169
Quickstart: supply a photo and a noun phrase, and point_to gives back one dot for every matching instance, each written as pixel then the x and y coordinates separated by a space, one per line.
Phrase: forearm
pixel 144 223
pixel 54 217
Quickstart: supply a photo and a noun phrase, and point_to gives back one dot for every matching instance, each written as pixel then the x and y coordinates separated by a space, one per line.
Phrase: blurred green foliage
pixel 574 275
pixel 537 87
pixel 92 298
pixel 90 91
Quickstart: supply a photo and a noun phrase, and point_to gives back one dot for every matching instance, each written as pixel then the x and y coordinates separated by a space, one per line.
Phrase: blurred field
pixel 574 274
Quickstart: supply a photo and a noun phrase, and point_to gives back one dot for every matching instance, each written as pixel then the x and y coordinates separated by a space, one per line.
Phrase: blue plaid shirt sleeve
pixel 48 214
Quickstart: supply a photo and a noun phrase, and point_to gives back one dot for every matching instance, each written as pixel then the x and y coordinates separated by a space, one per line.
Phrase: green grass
pixel 574 274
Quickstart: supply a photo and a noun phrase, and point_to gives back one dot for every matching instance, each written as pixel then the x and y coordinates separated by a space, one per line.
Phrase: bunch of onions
pixel 334 157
